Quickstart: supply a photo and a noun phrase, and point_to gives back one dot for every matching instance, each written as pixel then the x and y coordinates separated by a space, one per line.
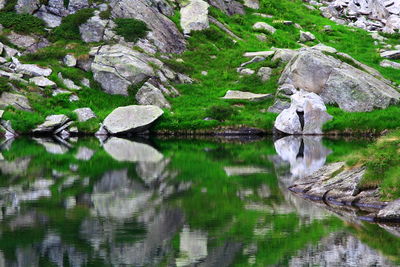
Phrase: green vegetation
pixel 69 28
pixel 22 23
pixel 131 29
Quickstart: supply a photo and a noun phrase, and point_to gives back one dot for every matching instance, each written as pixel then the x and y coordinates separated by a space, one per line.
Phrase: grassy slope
pixel 213 51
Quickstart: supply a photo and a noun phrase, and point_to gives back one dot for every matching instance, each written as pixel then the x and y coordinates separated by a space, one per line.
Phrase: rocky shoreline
pixel 336 186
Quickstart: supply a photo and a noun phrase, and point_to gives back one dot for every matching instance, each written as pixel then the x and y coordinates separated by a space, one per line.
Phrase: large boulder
pixel 164 32
pixel 306 115
pixel 337 82
pixel 194 16
pixel 131 119
pixel 117 67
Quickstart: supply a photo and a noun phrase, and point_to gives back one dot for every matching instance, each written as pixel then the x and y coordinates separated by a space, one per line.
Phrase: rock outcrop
pixel 351 88
pixel 164 33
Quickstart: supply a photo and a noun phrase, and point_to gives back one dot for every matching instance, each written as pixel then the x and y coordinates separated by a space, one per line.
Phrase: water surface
pixel 154 202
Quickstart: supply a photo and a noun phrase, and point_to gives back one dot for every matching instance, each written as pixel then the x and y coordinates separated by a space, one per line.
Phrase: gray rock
pixel 42 81
pixel 244 170
pixel 240 95
pixel 264 26
pixel 51 20
pixel 148 94
pixel 278 106
pixel 393 54
pixel 337 82
pixel 117 67
pixel 128 151
pixel 390 64
pixel 246 71
pixel 68 82
pixel 229 7
pixel 306 36
pixel 131 119
pixel 264 73
pixel 75 5
pixel 253 60
pixel 324 48
pixel 254 4
pixel 165 35
pixel 27 6
pixel 194 16
pixel 259 53
pixel 284 55
pixel 69 60
pixel 84 114
pixel 306 115
pixel 15 100
pixel 391 211
pixel 93 29
pixel 33 70
pixel 51 123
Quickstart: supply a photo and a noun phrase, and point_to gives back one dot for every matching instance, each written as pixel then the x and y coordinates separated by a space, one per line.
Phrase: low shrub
pixel 22 23
pixel 131 29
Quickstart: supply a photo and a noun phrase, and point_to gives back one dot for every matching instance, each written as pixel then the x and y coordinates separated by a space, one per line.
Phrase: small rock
pixel 260 53
pixel 264 26
pixel 84 114
pixel 306 37
pixel 33 70
pixel 246 72
pixel 148 94
pixel 15 100
pixel 204 73
pixel 393 54
pixel 51 123
pixel 240 95
pixel 69 60
pixel 390 64
pixel 68 83
pixel 264 73
pixel 42 81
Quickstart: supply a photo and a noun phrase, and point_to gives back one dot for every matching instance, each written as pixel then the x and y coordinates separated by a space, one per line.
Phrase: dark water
pixel 176 203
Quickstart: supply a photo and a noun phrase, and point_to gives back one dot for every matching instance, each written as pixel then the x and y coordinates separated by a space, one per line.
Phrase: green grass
pixel 22 23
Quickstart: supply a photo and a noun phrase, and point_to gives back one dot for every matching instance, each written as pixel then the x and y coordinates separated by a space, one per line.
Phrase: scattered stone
pixel 42 82
pixel 131 119
pixel 306 37
pixel 306 115
pixel 204 73
pixel 93 30
pixel 264 73
pixel 246 72
pixel 390 64
pixel 17 101
pixel 84 114
pixel 260 54
pixel 264 26
pixel 394 54
pixel 391 211
pixel 254 4
pixel 69 60
pixel 240 95
pixel 194 16
pixel 33 70
pixel 148 94
pixel 261 37
pixel 68 82
pixel 51 123
pixel 253 60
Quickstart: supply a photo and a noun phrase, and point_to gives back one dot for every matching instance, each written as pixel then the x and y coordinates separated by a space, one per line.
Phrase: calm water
pixel 176 203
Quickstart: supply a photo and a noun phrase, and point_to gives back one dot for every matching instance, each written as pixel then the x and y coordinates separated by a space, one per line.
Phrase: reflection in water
pixel 179 203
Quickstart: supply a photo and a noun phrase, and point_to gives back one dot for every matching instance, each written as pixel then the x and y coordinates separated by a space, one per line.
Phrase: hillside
pixel 59 56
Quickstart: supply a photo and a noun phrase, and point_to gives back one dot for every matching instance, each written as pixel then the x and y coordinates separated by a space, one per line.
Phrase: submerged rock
pixel 306 115
pixel 131 119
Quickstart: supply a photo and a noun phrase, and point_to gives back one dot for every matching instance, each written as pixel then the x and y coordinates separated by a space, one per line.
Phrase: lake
pixel 171 202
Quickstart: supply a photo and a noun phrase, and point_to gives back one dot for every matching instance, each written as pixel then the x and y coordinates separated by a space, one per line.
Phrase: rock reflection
pixel 125 150
pixel 304 154
pixel 339 249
